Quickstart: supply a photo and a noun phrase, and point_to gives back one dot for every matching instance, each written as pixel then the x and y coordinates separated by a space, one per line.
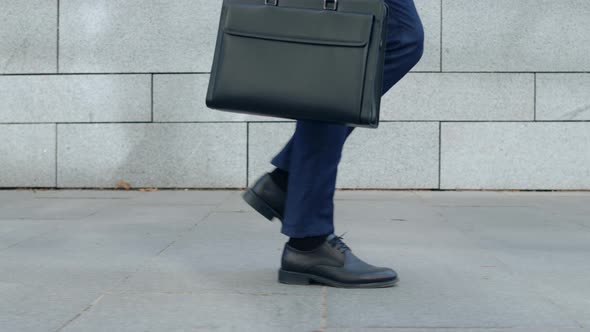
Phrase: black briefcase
pixel 300 59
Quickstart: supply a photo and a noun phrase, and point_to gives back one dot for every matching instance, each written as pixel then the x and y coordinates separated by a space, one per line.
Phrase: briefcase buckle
pixel 271 2
pixel 328 2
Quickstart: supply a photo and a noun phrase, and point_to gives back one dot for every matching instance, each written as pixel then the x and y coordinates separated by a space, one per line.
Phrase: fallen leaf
pixel 123 185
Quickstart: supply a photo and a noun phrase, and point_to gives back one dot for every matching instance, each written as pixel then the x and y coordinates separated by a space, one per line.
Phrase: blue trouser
pixel 312 154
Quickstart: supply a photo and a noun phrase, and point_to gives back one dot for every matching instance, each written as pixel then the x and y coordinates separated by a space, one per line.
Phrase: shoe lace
pixel 337 243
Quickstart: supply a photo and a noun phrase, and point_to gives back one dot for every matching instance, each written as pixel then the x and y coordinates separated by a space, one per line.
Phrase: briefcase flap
pixel 325 27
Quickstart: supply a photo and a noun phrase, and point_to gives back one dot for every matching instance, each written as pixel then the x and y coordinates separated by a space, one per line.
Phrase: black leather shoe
pixel 332 264
pixel 266 197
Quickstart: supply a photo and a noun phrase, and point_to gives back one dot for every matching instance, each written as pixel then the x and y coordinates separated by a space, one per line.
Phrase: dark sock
pixel 307 243
pixel 280 177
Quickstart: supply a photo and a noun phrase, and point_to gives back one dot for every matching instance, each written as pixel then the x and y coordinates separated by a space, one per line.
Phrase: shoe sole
pixel 260 205
pixel 296 278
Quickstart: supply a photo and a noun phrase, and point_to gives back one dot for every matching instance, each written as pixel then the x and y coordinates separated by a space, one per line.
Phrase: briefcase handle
pixel 326 4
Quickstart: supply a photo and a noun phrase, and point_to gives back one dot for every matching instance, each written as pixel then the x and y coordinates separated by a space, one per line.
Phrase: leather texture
pixel 266 197
pixel 334 263
pixel 297 60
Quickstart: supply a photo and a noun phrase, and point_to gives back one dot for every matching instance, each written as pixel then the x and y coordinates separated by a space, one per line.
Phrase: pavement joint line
pixel 28 238
pixel 178 237
pixel 191 228
pixel 181 234
pixel 139 266
pixel 88 307
pixel 90 215
pixel 565 310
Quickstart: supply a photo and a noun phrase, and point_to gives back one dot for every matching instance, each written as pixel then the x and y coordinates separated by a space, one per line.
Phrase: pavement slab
pixel 203 260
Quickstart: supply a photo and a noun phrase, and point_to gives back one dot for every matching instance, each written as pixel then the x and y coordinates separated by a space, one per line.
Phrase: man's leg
pixel 405 41
pixel 311 161
pixel 403 50
pixel 283 159
pixel 315 151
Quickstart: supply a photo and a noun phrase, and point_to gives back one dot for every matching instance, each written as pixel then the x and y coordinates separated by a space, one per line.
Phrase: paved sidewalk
pixel 77 260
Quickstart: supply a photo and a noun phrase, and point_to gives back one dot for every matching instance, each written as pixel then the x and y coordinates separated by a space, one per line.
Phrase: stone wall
pixel 97 91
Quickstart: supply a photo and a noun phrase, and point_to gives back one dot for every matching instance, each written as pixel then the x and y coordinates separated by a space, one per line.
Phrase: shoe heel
pixel 255 202
pixel 293 278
